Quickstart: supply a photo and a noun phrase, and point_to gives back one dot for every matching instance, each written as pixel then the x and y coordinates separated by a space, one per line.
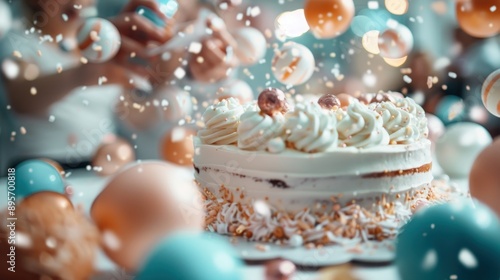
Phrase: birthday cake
pixel 318 173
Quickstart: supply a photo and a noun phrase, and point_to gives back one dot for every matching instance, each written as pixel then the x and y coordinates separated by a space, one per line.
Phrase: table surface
pixel 87 185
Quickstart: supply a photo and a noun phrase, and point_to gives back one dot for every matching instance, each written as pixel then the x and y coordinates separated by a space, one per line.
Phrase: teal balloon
pixel 34 176
pixel 457 240
pixel 193 256
pixel 450 109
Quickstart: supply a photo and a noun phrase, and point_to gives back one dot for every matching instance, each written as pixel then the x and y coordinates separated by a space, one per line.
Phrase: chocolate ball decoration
pixel 177 146
pixel 142 204
pixel 53 239
pixel 272 101
pixel 113 155
pixel 345 99
pixel 280 269
pixel 457 240
pixel 383 97
pixel 328 18
pixel 484 179
pixel 478 18
pixel 193 256
pixel 459 146
pixel 34 176
pixel 329 102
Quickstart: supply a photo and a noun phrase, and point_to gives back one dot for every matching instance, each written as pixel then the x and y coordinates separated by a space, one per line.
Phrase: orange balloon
pixel 113 155
pixel 478 18
pixel 484 178
pixel 48 228
pixel 177 146
pixel 141 205
pixel 328 18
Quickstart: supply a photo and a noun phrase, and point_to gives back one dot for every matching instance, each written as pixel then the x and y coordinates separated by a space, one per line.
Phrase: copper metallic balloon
pixel 53 240
pixel 479 18
pixel 177 146
pixel 280 269
pixel 328 18
pixel 142 204
pixel 113 155
pixel 484 178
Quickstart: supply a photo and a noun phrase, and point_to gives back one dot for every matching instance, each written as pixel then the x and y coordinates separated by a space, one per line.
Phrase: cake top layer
pixel 273 125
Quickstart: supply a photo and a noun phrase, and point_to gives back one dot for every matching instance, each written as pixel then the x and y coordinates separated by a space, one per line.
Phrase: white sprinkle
pixel 52 118
pixel 33 91
pixel 467 258
pixel 430 260
pixel 59 38
pixel 407 79
pixel 255 11
pixel 64 17
pixel 195 47
pixel 493 8
pixel 179 73
pixel 373 5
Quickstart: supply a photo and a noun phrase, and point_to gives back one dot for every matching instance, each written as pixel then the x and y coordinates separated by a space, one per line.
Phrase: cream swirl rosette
pixel 409 105
pixel 362 127
pixel 257 129
pixel 311 129
pixel 221 123
pixel 400 124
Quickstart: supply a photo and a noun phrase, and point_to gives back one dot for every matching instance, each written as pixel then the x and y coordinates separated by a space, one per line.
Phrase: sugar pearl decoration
pixel 272 101
pixel 293 64
pixel 296 240
pixel 490 93
pixel 280 270
pixel 329 102
pixel 98 40
pixel 276 145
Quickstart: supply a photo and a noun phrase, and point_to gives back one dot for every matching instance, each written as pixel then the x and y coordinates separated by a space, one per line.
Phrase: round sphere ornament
pixel 34 176
pixel 142 204
pixel 293 64
pixel 272 101
pixel 237 89
pixel 484 179
pixel 435 126
pixel 395 42
pixel 459 146
pixel 5 19
pixel 280 269
pixel 177 146
pixel 478 18
pixel 174 257
pixel 328 18
pixel 490 93
pixel 329 102
pixel 53 239
pixel 98 40
pixel 251 45
pixel 112 155
pixel 457 240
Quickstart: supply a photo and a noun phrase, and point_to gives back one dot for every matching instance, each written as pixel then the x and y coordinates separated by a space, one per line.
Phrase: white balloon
pixel 5 19
pixel 174 103
pixel 490 93
pixel 459 146
pixel 293 64
pixel 236 88
pixel 98 40
pixel 251 46
pixel 395 42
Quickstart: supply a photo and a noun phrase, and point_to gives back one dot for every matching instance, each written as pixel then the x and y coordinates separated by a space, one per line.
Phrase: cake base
pixel 321 224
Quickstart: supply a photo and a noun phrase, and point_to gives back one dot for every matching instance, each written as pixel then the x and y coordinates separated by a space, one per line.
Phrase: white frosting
pixel 221 122
pixel 403 127
pixel 362 127
pixel 409 105
pixel 256 129
pixel 310 128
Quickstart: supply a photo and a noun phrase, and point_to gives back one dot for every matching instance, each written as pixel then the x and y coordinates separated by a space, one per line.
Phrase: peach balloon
pixel 141 205
pixel 395 42
pixel 328 18
pixel 113 155
pixel 479 18
pixel 484 178
pixel 53 240
pixel 236 88
pixel 177 146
